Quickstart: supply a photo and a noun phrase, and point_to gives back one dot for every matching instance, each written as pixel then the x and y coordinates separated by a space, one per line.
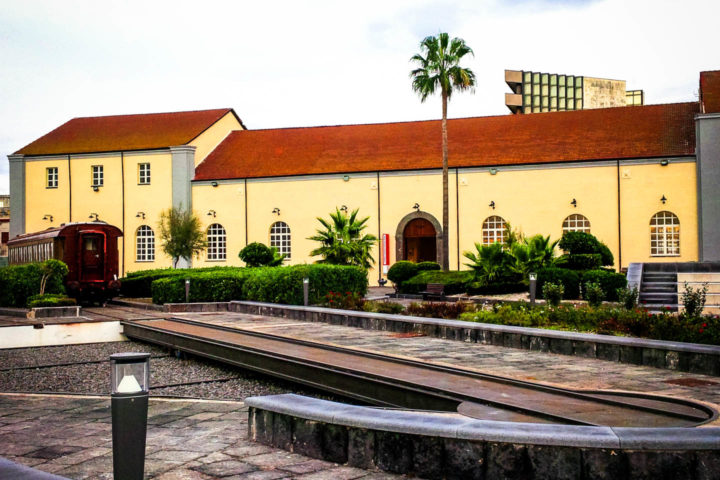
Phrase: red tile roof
pixel 611 133
pixel 710 91
pixel 124 132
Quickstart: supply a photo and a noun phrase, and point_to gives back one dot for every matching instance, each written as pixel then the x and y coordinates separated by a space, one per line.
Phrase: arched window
pixel 216 242
pixel 576 223
pixel 144 244
pixel 664 235
pixel 493 230
pixel 280 238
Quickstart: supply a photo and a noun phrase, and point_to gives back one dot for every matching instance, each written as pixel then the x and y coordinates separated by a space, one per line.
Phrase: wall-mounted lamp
pixel 574 203
pixel 94 216
pixel 48 217
pixel 493 171
pixel 346 178
pixel 140 215
pixel 416 207
pixel 664 162
pixel 663 199
pixel 276 210
pixel 214 184
pixel 211 213
pixel 492 204
pixel 343 208
pixel 95 188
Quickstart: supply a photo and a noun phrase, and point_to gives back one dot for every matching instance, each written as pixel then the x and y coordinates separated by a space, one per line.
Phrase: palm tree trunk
pixel 446 220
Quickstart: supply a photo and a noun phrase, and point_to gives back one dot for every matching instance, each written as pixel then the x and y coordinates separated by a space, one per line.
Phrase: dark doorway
pixel 420 241
pixel 93 257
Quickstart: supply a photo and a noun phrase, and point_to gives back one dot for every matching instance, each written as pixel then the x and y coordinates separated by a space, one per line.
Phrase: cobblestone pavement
pixel 568 371
pixel 191 440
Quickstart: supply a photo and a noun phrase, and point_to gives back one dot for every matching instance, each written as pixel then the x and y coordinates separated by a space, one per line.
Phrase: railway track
pixel 405 383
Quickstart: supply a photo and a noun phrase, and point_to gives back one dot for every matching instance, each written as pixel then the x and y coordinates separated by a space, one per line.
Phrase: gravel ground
pixel 216 381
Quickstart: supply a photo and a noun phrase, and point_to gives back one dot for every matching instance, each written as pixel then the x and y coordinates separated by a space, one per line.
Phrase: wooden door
pixel 92 256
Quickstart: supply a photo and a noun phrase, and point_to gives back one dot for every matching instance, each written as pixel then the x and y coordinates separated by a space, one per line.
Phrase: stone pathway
pixel 193 440
pixel 568 371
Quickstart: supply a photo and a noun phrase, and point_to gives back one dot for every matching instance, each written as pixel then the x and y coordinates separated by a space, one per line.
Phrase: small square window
pixel 144 173
pixel 97 176
pixel 52 177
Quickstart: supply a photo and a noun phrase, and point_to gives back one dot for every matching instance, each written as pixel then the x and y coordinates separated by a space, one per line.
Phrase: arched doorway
pixel 419 236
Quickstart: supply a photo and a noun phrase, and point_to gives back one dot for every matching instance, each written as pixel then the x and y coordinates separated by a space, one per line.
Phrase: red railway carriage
pixel 90 251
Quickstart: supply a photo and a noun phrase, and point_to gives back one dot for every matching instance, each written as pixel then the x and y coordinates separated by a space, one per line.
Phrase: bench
pixel 433 290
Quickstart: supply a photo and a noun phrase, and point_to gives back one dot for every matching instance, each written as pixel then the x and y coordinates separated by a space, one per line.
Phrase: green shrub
pixel 609 282
pixel 479 288
pixel 569 279
pixel 454 282
pixel 607 258
pixel 139 284
pixel 257 254
pixel 263 284
pixel 553 293
pixel 421 266
pixel 594 294
pixel 50 300
pixel 582 261
pixel 401 271
pixel 19 282
pixel 628 297
pixel 579 243
pixel 694 300
pixel 344 301
pixel 383 307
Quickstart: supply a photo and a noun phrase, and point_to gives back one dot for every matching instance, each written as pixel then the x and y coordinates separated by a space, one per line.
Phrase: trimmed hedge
pixel 583 261
pixel 19 282
pixel 263 284
pixel 570 280
pixel 139 284
pixel 455 282
pixel 608 281
pixel 478 288
pixel 50 300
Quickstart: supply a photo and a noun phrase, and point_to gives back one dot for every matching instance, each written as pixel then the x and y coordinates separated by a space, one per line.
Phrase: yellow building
pixel 642 179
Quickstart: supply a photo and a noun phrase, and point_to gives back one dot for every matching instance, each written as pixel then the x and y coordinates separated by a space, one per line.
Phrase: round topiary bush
pixel 401 271
pixel 428 266
pixel 256 254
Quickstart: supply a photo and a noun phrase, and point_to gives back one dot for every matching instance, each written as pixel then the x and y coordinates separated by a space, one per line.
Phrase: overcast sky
pixel 295 63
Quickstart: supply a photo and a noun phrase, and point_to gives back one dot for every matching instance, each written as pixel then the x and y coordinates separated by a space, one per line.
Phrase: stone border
pixel 439 445
pixel 50 312
pixel 687 357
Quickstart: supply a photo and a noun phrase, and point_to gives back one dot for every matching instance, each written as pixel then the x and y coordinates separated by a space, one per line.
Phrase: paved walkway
pixel 193 440
pixel 564 370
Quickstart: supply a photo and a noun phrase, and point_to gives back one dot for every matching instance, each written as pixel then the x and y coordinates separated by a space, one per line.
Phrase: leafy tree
pixel 438 69
pixel 257 254
pixel 181 235
pixel 342 242
pixel 51 269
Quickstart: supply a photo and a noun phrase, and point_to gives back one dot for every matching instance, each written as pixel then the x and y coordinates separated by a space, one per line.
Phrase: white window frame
pixel 51 177
pixel 216 243
pixel 576 223
pixel 281 239
pixel 493 230
pixel 144 244
pixel 664 234
pixel 143 174
pixel 98 175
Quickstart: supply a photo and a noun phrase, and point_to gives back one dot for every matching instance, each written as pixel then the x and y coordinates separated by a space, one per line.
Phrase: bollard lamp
pixel 130 373
pixel 130 386
pixel 532 276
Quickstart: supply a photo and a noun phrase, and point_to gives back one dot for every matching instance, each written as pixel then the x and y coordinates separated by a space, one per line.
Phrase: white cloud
pixel 321 62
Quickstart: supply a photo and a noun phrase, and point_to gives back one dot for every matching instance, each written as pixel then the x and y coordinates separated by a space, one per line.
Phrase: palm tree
pixel 342 241
pixel 438 69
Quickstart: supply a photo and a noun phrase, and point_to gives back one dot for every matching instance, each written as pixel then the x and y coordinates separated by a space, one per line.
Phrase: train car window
pixel 91 244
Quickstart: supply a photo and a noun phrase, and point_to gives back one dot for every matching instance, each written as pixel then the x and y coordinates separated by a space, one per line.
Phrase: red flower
pixel 701 330
pixel 704 325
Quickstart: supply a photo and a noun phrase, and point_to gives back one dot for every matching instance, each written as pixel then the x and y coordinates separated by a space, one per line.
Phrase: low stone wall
pixel 686 357
pixel 449 445
pixel 50 312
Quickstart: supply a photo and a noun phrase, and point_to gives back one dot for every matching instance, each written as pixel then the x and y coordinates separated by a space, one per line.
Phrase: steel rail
pixel 541 402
